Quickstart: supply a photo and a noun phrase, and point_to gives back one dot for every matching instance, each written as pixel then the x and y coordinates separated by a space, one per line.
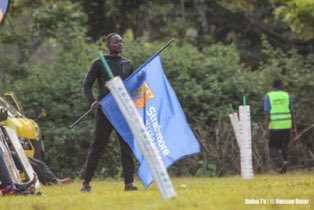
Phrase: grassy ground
pixel 193 193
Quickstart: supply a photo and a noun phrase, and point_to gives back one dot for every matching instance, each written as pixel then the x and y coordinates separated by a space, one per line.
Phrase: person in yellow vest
pixel 280 125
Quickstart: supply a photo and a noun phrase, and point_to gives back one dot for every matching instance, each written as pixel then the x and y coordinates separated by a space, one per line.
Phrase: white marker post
pixel 242 129
pixel 245 129
pixel 9 162
pixel 136 124
pixel 236 127
pixel 22 156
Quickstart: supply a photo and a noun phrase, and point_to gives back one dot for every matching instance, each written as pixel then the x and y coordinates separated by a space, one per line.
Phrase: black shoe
pixel 130 187
pixel 86 188
pixel 283 168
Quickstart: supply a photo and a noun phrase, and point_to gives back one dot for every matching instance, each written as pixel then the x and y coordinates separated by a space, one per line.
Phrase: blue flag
pixel 161 112
pixel 4 4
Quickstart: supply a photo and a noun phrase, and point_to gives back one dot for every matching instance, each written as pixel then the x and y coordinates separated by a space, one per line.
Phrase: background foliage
pixel 224 50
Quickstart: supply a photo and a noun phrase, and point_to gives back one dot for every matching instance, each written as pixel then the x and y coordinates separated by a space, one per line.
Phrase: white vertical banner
pixel 245 129
pixel 136 124
pixel 9 162
pixel 236 128
pixel 242 130
pixel 22 156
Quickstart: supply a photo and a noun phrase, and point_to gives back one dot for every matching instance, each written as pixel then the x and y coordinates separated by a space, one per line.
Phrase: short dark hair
pixel 109 36
pixel 277 83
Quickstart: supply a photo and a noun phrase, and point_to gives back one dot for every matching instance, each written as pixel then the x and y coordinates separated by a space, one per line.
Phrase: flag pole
pixel 156 54
pixel 77 121
pixel 165 46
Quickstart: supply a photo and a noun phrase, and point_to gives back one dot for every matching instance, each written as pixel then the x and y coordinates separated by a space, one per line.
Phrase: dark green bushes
pixel 206 84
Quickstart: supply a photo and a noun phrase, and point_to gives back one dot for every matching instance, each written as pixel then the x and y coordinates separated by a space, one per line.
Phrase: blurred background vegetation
pixel 224 49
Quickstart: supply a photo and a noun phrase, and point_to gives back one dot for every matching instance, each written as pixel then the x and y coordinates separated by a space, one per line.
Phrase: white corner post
pixel 242 129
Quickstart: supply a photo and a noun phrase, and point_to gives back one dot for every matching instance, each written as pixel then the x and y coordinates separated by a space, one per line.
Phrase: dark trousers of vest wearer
pixel 103 129
pixel 278 146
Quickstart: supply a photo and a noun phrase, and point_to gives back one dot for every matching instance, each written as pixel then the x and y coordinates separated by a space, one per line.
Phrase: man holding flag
pixel 162 116
pixel 166 137
pixel 121 67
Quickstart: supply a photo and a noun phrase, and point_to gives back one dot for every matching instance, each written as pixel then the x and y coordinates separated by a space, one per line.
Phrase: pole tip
pixel 231 107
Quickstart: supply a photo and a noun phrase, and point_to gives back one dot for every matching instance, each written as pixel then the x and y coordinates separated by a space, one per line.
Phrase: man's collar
pixel 277 89
pixel 113 56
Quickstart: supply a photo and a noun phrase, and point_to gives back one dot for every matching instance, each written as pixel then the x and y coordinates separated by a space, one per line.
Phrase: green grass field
pixel 193 193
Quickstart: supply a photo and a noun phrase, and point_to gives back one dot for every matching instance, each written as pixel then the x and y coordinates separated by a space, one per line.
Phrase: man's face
pixel 115 44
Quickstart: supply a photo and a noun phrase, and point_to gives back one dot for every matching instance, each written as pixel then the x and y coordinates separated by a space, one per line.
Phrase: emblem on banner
pixel 141 95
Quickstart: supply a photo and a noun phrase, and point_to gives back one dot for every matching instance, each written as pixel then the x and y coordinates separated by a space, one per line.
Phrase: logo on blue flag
pixel 161 112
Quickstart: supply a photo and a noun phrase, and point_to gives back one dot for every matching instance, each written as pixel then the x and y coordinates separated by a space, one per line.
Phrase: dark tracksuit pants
pixel 44 174
pixel 103 129
pixel 278 145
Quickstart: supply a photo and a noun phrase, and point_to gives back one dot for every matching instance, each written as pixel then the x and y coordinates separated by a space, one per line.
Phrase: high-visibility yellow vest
pixel 280 114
